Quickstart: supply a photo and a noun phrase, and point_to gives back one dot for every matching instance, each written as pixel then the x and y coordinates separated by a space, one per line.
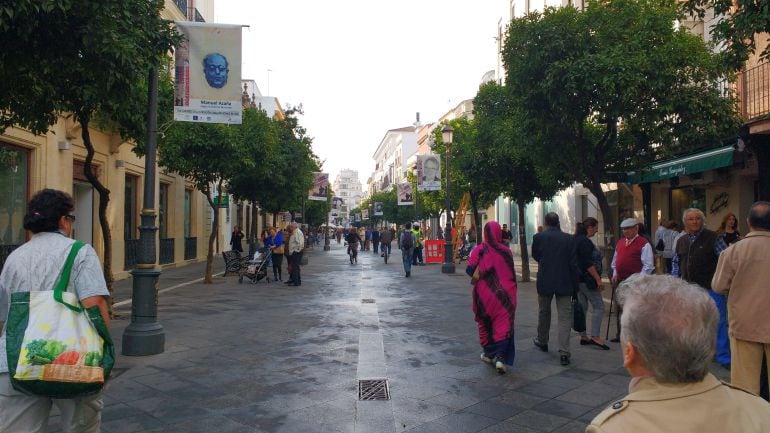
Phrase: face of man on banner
pixel 215 68
pixel 430 170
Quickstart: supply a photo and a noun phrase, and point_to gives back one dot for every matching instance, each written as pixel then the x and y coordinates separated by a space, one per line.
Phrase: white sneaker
pixel 486 359
pixel 500 367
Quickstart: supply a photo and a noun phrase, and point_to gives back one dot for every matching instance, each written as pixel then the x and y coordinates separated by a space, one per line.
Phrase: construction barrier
pixel 434 251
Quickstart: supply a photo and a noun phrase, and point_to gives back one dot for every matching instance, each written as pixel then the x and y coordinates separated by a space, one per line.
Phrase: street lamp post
pixel 144 335
pixel 327 247
pixel 449 264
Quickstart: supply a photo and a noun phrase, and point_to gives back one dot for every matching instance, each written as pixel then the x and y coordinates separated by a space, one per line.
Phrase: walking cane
pixel 609 315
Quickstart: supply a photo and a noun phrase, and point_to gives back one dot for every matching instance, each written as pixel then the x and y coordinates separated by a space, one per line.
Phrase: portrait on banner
pixel 405 194
pixel 428 172
pixel 320 190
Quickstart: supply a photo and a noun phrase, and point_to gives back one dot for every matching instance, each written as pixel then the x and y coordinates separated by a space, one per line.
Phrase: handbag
pixel 660 246
pixel 56 347
pixel 278 250
pixel 578 316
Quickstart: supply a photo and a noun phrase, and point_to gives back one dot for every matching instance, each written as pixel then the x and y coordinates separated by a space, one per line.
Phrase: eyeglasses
pixel 70 217
pixel 216 68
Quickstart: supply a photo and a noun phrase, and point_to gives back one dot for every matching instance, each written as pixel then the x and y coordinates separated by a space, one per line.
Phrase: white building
pixel 348 187
pixel 390 158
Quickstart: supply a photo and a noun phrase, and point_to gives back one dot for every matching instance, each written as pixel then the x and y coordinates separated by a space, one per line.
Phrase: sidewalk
pixel 272 358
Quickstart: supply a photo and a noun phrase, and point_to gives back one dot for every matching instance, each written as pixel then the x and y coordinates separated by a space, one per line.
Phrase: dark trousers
pixel 417 256
pixel 295 276
pixel 277 261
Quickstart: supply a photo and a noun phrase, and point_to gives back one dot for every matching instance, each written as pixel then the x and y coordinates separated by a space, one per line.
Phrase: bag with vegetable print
pixel 56 347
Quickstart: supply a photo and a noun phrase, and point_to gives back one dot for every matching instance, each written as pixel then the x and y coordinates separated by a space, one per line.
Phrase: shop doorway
pixel 83 229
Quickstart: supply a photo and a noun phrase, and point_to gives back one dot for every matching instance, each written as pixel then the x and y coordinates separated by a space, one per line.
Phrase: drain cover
pixel 373 389
pixel 367 301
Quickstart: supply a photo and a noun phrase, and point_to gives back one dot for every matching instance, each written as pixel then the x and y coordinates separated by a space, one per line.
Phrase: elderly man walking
pixel 633 255
pixel 557 277
pixel 668 343
pixel 296 243
pixel 695 260
pixel 743 272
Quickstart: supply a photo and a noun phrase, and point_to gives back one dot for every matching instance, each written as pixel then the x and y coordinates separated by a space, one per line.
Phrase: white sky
pixel 362 67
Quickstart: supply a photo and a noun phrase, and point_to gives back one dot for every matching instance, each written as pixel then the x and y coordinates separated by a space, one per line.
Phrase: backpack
pixel 408 242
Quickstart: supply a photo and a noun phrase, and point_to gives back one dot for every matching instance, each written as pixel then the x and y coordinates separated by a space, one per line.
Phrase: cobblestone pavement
pixel 267 357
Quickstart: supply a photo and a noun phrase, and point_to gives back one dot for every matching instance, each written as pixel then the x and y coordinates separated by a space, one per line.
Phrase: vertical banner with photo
pixel 320 187
pixel 365 214
pixel 428 172
pixel 405 194
pixel 378 208
pixel 208 73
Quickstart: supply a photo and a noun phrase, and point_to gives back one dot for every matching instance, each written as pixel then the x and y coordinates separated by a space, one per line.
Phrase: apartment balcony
pixel 754 92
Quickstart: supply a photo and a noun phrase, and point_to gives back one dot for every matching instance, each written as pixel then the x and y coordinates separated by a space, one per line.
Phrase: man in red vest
pixel 633 254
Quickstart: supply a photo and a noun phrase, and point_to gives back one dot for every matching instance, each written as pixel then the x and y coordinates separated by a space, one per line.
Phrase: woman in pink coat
pixel 494 297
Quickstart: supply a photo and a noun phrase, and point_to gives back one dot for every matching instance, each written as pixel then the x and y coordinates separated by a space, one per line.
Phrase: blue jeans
pixel 594 297
pixel 723 340
pixel 407 259
pixel 385 245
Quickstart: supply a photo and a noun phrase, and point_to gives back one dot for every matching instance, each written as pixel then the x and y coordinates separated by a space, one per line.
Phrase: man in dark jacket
pixel 557 276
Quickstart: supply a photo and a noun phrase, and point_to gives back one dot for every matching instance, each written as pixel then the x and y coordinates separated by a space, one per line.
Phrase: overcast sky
pixel 361 67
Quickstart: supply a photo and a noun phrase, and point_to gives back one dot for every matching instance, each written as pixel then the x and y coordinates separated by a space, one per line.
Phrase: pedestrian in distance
pixel 494 297
pixel 295 247
pixel 590 287
pixel 417 259
pixel 507 236
pixel 695 260
pixel 274 241
pixel 742 273
pixel 633 254
pixel 235 239
pixel 375 240
pixel 386 238
pixel 557 278
pixel 668 343
pixel 728 230
pixel 37 264
pixel 406 242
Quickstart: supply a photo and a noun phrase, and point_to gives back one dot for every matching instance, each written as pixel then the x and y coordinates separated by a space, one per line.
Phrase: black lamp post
pixel 144 335
pixel 327 247
pixel 449 264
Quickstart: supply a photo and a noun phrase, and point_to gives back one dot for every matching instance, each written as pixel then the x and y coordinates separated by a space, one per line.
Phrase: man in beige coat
pixel 743 273
pixel 668 342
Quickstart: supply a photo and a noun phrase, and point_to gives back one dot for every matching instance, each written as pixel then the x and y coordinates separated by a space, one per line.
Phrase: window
pixel 187 212
pixel 14 188
pixel 163 211
pixel 130 207
pixel 685 198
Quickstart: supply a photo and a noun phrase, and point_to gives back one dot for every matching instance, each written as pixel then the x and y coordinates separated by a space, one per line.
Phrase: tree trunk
pixel 208 278
pixel 104 200
pixel 475 210
pixel 254 226
pixel 525 275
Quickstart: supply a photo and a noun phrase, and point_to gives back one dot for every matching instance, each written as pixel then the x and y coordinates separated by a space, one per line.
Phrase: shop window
pixel 685 198
pixel 163 211
pixel 187 213
pixel 14 188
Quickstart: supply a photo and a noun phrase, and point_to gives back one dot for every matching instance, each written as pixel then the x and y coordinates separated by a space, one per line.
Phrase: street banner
pixel 208 73
pixel 377 208
pixel 337 203
pixel 405 194
pixel 320 188
pixel 428 172
pixel 365 214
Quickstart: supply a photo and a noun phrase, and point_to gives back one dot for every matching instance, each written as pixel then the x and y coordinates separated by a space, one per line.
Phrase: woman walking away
pixel 591 285
pixel 275 243
pixel 494 297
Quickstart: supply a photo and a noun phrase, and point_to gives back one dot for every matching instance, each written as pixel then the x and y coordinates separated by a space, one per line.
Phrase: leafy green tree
pixel 739 24
pixel 63 58
pixel 612 88
pixel 505 153
pixel 208 154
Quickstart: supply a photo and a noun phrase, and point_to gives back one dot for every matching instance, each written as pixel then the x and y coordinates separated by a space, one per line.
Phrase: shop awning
pixel 686 165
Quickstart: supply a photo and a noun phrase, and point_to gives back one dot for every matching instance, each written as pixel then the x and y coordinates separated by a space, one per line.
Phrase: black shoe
pixel 615 340
pixel 407 274
pixel 542 346
pixel 595 343
pixel 585 342
pixel 564 360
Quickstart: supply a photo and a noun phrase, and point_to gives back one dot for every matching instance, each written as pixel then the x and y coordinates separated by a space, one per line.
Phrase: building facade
pixel 346 186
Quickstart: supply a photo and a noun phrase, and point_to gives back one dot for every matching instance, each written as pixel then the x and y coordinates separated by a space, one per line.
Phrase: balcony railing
pixel 190 248
pixel 166 251
pixel 131 253
pixel 755 98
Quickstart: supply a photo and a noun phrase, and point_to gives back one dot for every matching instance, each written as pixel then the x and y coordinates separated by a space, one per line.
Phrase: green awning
pixel 686 165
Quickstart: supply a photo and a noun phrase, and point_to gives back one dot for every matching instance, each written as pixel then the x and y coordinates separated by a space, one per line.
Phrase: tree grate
pixel 367 301
pixel 373 389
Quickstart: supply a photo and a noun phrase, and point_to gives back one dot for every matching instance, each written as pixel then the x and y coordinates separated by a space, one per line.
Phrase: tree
pixel 208 154
pixel 611 89
pixel 739 24
pixel 505 156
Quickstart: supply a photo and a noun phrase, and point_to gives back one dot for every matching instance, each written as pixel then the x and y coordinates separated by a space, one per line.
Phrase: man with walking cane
pixel 633 254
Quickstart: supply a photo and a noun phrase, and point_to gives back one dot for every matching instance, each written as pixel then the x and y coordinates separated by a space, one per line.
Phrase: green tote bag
pixel 56 347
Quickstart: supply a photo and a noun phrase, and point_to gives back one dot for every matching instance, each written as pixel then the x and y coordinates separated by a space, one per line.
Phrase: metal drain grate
pixel 373 389
pixel 367 301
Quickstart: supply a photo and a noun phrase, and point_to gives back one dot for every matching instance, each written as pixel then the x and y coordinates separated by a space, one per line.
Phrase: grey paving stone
pixel 538 421
pixel 562 408
pixel 465 422
pixel 494 409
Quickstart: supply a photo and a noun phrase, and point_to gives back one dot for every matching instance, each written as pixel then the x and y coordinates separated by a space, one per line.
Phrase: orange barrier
pixel 434 251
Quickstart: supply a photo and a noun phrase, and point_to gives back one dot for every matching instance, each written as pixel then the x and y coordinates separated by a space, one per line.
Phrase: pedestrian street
pixel 267 357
